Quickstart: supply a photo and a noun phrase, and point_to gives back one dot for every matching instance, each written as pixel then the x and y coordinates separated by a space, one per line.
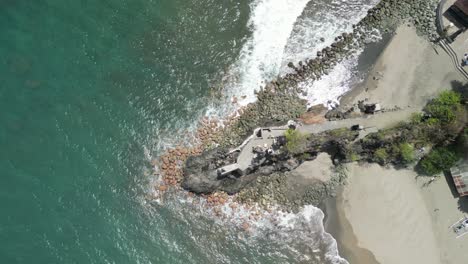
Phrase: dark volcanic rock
pixel 334 114
pixel 197 175
pixel 200 175
pixel 201 182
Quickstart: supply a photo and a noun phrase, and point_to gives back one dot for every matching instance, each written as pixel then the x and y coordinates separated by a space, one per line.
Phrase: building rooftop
pixel 460 178
pixel 462 5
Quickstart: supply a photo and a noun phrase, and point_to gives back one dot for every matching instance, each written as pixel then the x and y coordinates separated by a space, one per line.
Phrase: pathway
pixel 371 123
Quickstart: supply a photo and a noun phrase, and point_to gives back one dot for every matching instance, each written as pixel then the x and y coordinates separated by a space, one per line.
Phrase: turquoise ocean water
pixel 84 86
pixel 88 87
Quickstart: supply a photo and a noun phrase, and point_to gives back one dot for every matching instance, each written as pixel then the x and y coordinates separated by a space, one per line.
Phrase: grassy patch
pixel 406 153
pixel 339 132
pixel 381 155
pixel 354 157
pixel 296 142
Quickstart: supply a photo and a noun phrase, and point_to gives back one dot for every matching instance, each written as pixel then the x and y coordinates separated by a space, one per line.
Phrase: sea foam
pixel 271 23
pixel 284 31
pixel 291 31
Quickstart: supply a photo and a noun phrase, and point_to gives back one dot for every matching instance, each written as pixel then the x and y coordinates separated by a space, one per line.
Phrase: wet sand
pixel 338 226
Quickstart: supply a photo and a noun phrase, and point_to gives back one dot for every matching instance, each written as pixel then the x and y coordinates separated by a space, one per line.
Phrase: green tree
pixel 417 118
pixel 438 160
pixel 444 108
pixel 449 98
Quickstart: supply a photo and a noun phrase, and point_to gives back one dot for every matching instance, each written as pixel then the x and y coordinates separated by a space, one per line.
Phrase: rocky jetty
pixel 170 165
pixel 201 176
pixel 280 101
pixel 281 189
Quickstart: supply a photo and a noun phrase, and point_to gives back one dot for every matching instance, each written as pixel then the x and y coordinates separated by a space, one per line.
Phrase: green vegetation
pixel 444 108
pixel 296 142
pixel 406 152
pixel 449 98
pixel 339 132
pixel 440 124
pixel 438 160
pixel 417 118
pixel 305 156
pixel 381 155
pixel 354 157
pixel 392 150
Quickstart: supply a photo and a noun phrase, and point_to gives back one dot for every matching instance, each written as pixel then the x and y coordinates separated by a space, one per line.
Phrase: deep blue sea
pixel 89 89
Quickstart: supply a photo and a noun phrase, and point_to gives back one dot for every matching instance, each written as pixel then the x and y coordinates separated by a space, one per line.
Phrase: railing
pixel 439 20
pixel 443 39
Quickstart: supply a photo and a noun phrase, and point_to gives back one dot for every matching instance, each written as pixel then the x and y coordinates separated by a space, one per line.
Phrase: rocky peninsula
pixel 280 101
pixel 395 118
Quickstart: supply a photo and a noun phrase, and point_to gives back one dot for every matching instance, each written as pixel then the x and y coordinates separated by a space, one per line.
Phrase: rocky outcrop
pixel 289 192
pixel 275 106
pixel 279 101
pixel 200 174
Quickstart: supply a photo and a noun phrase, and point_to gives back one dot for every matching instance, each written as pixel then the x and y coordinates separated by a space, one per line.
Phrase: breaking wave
pixel 282 31
pixel 274 236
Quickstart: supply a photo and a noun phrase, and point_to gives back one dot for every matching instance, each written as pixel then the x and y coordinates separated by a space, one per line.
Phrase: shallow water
pixel 88 89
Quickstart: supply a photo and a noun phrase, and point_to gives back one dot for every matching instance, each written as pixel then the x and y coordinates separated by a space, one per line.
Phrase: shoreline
pixel 338 226
pixel 406 79
pixel 279 101
pixel 378 87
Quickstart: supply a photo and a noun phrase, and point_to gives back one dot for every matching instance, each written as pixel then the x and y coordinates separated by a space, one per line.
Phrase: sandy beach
pixel 395 216
pixel 385 215
pixel 409 72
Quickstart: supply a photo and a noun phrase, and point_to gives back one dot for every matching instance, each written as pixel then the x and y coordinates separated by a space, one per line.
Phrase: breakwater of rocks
pixel 276 190
pixel 280 100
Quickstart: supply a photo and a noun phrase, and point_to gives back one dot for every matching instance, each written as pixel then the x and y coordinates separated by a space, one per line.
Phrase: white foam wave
pixel 300 236
pixel 316 30
pixel 307 226
pixel 320 23
pixel 271 23
pixel 330 87
pixel 283 31
pixel 286 31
